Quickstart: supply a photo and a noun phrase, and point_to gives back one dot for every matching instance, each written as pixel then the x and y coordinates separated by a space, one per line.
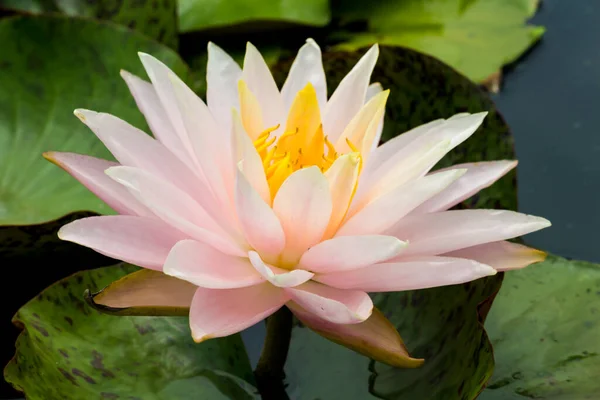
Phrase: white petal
pixel 408 274
pixel 204 266
pixel 372 90
pixel 307 67
pixel 438 233
pixel 349 96
pixel 350 252
pixel 478 176
pixel 389 208
pixel 222 75
pixel 303 205
pixel 277 276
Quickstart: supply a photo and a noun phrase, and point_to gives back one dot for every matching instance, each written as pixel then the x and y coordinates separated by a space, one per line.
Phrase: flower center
pixel 302 144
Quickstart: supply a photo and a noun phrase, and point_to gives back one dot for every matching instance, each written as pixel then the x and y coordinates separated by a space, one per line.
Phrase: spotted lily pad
pixel 50 65
pixel 155 19
pixel 441 325
pixel 546 333
pixel 70 351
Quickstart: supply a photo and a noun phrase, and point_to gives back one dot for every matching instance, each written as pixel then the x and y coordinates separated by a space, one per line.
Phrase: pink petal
pixel 259 223
pixel 503 256
pixel 149 104
pixel 223 312
pixel 222 75
pixel 277 276
pixel 257 75
pixel 176 208
pixel 478 176
pixel 90 172
pixel 307 67
pixel 438 233
pixel 350 252
pixel 207 267
pixel 137 240
pixel 408 274
pixel 245 154
pixel 133 147
pixel 303 206
pixel 386 210
pixel 331 304
pixel 349 96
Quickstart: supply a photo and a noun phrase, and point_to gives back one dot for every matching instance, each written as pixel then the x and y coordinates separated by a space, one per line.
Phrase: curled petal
pixel 223 312
pixel 375 338
pixel 277 276
pixel 145 293
pixel 343 180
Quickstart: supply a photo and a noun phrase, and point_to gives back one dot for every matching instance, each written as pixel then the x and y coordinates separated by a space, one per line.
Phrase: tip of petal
pixel 485 270
pixel 51 156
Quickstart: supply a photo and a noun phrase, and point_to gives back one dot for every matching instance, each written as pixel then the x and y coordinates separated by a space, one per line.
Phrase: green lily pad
pixel 546 333
pixel 70 351
pixel 156 19
pixel 477 37
pixel 50 65
pixel 257 14
pixel 442 325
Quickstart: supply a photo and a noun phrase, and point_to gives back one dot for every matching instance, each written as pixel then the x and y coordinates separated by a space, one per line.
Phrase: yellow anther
pixel 352 146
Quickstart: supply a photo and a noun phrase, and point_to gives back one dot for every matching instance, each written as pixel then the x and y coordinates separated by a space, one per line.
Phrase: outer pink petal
pixel 136 240
pixel 408 274
pixel 503 256
pixel 350 252
pixel 331 304
pixel 257 76
pixel 303 205
pixel 133 147
pixel 307 67
pixel 259 223
pixel 149 104
pixel 389 208
pixel 438 233
pixel 222 75
pixel 478 176
pixel 90 172
pixel 349 96
pixel 277 276
pixel 223 312
pixel 176 208
pixel 207 267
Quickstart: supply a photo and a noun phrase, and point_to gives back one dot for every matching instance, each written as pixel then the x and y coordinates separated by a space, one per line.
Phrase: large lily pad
pixel 442 325
pixel 156 19
pixel 50 65
pixel 546 333
pixel 71 351
pixel 203 14
pixel 477 37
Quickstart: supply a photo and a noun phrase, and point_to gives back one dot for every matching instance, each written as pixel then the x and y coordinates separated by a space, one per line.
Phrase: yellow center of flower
pixel 302 143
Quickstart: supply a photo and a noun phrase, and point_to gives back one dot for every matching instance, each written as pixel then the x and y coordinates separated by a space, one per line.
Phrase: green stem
pixel 269 370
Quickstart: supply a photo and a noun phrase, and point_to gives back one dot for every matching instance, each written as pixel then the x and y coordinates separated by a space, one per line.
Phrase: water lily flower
pixel 263 198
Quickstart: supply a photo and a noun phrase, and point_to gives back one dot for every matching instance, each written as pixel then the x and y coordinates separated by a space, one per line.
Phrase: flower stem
pixel 269 370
